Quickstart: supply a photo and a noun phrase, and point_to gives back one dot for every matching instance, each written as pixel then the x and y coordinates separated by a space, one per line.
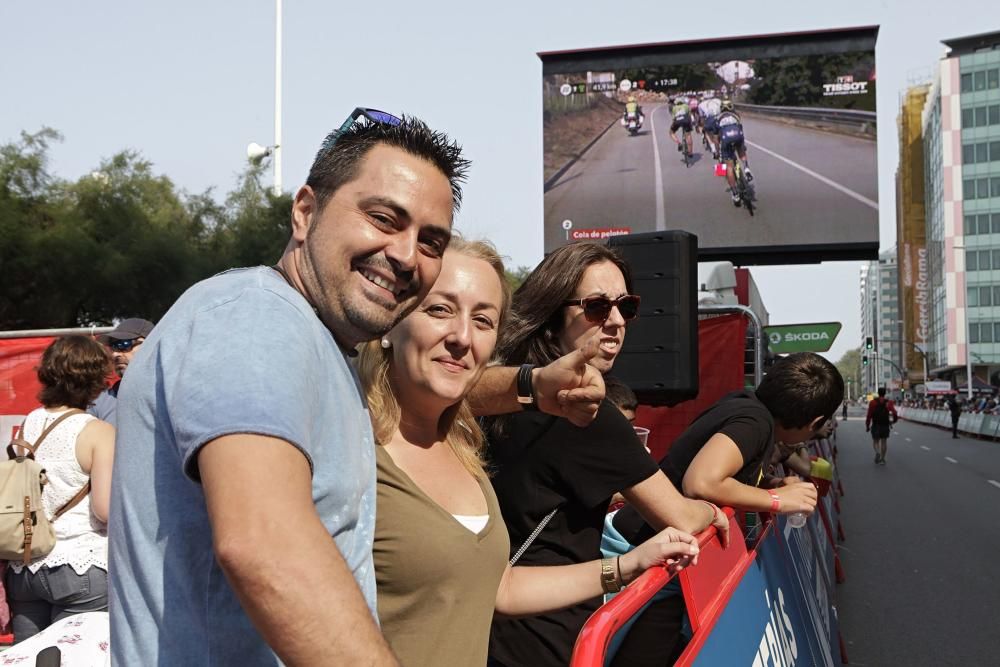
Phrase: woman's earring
pixel 386 344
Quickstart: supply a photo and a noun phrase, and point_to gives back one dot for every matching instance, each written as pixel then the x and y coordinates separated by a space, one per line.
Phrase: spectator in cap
pixel 122 342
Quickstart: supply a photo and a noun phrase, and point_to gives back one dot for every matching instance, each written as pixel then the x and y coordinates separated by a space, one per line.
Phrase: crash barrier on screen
pixel 863 122
pixel 969 423
pixel 771 605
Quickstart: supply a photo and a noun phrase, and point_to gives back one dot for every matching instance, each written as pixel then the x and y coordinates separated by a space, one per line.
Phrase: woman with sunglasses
pixel 548 468
pixel 440 548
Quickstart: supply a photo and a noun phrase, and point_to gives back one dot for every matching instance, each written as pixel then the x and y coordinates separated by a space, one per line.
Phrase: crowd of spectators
pixel 380 386
pixel 988 405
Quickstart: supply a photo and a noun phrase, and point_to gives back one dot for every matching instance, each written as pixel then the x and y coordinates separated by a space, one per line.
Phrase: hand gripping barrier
pixel 773 605
pixel 700 594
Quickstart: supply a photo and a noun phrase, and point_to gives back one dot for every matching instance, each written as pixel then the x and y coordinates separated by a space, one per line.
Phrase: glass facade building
pixel 961 143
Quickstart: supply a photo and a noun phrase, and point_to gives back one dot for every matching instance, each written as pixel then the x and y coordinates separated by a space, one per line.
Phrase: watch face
pixel 525 400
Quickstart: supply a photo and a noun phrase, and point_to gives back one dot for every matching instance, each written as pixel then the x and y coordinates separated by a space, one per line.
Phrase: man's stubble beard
pixel 349 319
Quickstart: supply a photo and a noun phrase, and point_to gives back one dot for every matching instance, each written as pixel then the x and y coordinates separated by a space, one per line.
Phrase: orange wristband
pixel 775 501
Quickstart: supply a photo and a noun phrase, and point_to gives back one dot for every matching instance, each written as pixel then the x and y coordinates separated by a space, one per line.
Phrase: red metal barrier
pixel 706 590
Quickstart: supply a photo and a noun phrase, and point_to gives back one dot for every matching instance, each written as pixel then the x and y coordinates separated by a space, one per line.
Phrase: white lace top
pixel 81 538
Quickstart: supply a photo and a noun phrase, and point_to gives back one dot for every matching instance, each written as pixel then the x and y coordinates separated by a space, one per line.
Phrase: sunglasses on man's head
pixel 374 115
pixel 124 345
pixel 597 309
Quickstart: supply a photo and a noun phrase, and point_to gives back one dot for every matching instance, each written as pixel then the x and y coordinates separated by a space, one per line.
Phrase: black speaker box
pixel 659 360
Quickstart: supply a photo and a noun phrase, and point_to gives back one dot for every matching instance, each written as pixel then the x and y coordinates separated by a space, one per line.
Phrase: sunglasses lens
pixel 122 345
pixel 628 306
pixel 597 309
pixel 382 117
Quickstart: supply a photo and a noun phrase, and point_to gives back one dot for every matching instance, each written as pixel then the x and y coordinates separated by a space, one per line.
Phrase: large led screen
pixel 806 106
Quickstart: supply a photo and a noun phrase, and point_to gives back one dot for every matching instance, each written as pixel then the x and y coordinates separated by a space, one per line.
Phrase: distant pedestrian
pixel 956 413
pixel 881 416
pixel 843 412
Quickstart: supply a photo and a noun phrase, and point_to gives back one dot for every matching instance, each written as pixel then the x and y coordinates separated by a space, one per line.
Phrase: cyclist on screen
pixel 681 114
pixel 710 110
pixel 731 145
pixel 695 113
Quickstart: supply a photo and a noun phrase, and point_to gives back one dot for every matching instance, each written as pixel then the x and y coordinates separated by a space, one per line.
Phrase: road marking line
pixel 819 177
pixel 908 440
pixel 950 460
pixel 661 216
pixel 925 448
pixel 994 483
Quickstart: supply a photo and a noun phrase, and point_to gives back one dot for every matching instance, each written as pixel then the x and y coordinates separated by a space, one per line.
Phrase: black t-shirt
pixel 541 463
pixel 738 415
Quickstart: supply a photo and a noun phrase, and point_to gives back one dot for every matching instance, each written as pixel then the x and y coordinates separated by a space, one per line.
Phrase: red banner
pixel 721 343
pixel 19 358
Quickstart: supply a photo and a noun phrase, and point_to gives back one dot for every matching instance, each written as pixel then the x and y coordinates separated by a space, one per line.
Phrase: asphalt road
pixel 922 550
pixel 813 187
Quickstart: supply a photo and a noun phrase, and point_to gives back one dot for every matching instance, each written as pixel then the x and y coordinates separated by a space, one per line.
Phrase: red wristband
pixel 775 501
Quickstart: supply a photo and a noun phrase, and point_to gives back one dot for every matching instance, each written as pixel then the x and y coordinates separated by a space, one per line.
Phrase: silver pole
pixel 39 333
pixel 277 97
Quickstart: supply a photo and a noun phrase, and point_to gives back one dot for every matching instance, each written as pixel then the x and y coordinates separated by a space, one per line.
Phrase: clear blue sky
pixel 189 84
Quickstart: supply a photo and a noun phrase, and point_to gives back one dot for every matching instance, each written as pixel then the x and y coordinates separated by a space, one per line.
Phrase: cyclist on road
pixel 681 114
pixel 695 113
pixel 731 145
pixel 709 112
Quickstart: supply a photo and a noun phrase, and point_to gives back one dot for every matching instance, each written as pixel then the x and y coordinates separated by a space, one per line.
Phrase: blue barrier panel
pixel 812 565
pixel 768 620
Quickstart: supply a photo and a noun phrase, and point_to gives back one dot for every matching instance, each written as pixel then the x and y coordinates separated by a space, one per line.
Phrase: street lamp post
pixel 256 152
pixel 277 97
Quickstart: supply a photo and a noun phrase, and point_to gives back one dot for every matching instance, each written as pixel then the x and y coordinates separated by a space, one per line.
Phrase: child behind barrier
pixel 724 457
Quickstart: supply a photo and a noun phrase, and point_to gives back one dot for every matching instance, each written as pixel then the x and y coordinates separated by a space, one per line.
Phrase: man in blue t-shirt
pixel 249 443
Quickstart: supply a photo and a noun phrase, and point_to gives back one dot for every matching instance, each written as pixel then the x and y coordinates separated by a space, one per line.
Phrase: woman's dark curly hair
pixel 73 372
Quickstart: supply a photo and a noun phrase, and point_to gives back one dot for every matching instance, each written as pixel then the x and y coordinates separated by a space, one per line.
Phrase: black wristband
pixel 525 392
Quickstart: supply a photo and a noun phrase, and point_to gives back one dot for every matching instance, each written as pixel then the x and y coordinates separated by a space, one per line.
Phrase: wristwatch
pixel 525 392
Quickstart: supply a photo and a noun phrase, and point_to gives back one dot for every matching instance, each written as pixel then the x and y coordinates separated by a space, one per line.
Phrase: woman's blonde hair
pixel 461 429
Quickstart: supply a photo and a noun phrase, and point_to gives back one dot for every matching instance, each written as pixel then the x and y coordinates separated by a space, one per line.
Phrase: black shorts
pixel 880 431
pixel 730 148
pixel 681 123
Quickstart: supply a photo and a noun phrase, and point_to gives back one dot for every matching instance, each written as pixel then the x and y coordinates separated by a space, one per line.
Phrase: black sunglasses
pixel 373 115
pixel 597 309
pixel 124 345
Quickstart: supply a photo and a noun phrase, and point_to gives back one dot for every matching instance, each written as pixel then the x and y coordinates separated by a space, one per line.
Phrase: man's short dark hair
pixel 338 158
pixel 619 394
pixel 881 392
pixel 800 388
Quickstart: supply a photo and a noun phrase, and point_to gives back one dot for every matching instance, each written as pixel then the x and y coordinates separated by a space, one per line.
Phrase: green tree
pixel 517 276
pixel 849 366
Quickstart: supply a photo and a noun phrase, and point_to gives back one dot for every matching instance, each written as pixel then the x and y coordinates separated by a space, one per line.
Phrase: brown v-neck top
pixel 437 580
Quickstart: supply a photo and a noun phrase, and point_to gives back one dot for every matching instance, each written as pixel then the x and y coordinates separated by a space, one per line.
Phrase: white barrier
pixel 979 424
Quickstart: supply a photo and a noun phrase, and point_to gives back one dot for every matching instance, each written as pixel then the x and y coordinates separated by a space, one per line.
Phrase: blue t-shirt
pixel 105 406
pixel 242 352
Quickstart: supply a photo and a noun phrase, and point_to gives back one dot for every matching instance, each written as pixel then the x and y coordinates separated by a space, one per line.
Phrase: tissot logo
pixel 845 85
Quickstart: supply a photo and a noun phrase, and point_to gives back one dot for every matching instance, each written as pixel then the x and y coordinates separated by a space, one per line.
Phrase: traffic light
pixel 864 360
pixel 869 343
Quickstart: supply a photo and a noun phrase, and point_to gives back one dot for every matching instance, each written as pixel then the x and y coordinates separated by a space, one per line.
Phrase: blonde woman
pixel 441 547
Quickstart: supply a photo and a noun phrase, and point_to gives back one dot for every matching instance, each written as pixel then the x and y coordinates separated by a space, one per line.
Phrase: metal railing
pixel 756 344
pixel 861 120
pixel 38 333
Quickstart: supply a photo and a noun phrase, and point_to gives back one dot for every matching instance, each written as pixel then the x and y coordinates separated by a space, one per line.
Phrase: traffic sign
pixel 816 337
